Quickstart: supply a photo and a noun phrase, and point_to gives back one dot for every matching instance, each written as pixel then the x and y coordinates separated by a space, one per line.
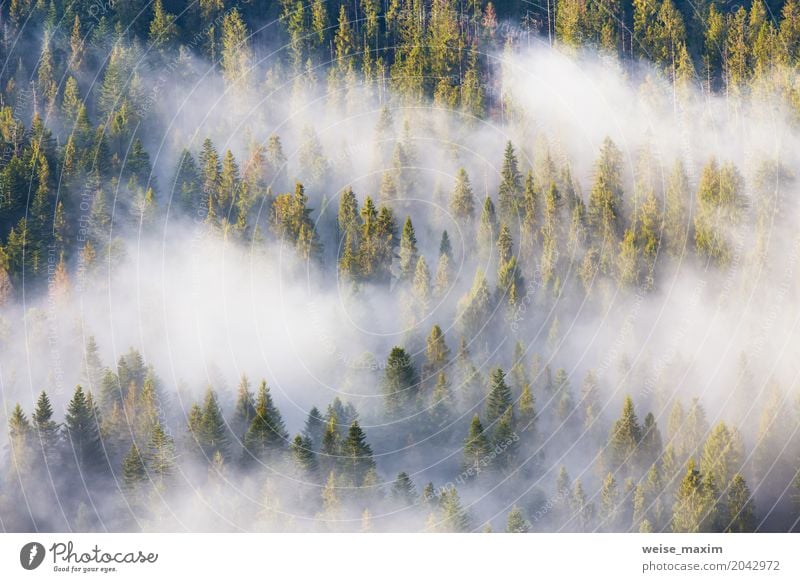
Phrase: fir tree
pixel 82 431
pixel 516 522
pixel 303 455
pixel 500 398
pixel 476 447
pixel 408 251
pixel 357 455
pixel 134 472
pixel 266 433
pixel 400 384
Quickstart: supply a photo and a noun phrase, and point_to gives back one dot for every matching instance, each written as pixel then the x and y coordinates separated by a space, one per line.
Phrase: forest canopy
pixel 412 265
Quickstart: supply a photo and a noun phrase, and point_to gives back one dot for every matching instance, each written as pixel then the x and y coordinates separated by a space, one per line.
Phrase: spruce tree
pixel 408 251
pixel 476 447
pixel 741 508
pixel 516 522
pixel 625 437
pixel 267 433
pixel 454 517
pixel 134 472
pixel 161 458
pixel 303 454
pixel 403 491
pixel 500 397
pixel 47 430
pixel 210 432
pixel 357 455
pixel 400 384
pixel 462 202
pixel 81 431
pixel 508 198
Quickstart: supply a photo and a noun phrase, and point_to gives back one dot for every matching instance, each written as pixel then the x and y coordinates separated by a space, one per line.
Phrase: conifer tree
pixel 236 53
pixel 245 409
pixel 267 433
pixel 694 509
pixel 314 428
pixel 516 522
pixel 625 437
pixel 462 202
pixel 476 447
pixel 161 458
pixel 46 429
pixel 209 428
pixel 500 397
pixel 408 251
pixel 508 198
pixel 134 472
pixel 403 491
pixel 400 384
pixel 454 517
pixel 609 504
pixel 741 508
pixel 487 229
pixel 357 455
pixel 81 431
pixel 303 454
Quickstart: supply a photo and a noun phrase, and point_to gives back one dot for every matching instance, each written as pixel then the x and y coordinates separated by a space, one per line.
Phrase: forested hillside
pixel 404 265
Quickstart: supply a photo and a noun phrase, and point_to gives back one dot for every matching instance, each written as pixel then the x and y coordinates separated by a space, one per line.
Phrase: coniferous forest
pixel 400 265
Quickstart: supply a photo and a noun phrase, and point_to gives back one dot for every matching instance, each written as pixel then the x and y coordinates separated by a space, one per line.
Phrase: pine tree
pixel 19 432
pixel 403 491
pixel 722 455
pixel 527 409
pixel 408 251
pixel 303 454
pixel 462 202
pixel 500 397
pixel 162 27
pixel 357 455
pixel 508 198
pixel 441 407
pixel 160 457
pixel 421 286
pixel 487 227
pixel 650 445
pixel 400 384
pixel 314 428
pixel 476 447
pixel 454 518
pixel 475 308
pixel 209 428
pixel 245 410
pixel 134 472
pixel 82 431
pixel 625 437
pixel 516 522
pixel 442 282
pixel 609 504
pixel 694 510
pixel 267 433
pixel 445 248
pixel 236 53
pixel 437 354
pixel 741 508
pixel 47 430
